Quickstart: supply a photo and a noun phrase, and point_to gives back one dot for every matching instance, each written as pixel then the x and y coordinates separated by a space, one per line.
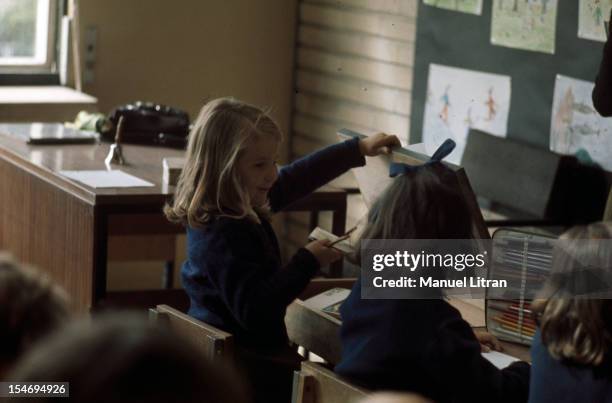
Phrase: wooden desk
pixel 62 226
pixel 319 332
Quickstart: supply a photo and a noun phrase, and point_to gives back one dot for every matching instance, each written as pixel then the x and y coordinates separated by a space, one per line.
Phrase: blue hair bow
pixel 445 148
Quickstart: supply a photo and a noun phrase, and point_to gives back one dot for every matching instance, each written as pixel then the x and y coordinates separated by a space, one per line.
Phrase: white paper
pixel 107 179
pixel 320 234
pixel 592 16
pixel 459 99
pixel 327 298
pixel 576 127
pixel 500 360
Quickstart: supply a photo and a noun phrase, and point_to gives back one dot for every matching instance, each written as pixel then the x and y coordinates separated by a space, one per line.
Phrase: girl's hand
pixel 376 144
pixel 324 254
pixel 487 341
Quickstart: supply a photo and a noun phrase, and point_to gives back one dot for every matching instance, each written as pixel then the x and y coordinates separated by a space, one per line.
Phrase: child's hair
pixel 31 306
pixel 122 358
pixel 577 329
pixel 423 204
pixel 209 184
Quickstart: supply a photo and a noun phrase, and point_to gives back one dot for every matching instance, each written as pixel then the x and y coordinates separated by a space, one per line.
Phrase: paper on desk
pixel 327 299
pixel 500 360
pixel 107 179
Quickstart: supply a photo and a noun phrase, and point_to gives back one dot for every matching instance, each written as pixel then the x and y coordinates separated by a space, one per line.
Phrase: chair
pixel 316 331
pixel 216 344
pixel 317 384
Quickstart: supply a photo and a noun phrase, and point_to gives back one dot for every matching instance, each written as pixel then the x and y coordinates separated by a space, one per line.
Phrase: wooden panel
pixel 304 145
pixel 122 224
pixel 42 112
pixel 44 226
pixel 215 343
pixel 318 384
pixel 392 75
pixel 138 247
pixel 384 25
pixel 378 97
pixel 354 69
pixel 382 121
pixel 318 128
pixel 365 45
pixel 316 331
pixel 407 8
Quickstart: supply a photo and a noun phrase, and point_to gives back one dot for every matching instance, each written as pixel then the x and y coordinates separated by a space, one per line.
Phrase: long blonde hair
pixel 576 328
pixel 209 184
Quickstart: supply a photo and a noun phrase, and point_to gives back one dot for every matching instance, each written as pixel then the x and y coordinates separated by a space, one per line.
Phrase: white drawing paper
pixel 107 179
pixel 459 99
pixel 592 16
pixel 576 128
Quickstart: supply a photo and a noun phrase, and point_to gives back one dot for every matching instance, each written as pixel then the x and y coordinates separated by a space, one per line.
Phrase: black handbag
pixel 150 123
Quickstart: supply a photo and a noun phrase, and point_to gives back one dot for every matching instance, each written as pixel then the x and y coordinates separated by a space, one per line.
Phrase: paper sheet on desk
pixel 107 179
pixel 500 360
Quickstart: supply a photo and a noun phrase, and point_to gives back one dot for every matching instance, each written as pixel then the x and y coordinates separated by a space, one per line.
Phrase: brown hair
pixel 31 306
pixel 575 328
pixel 121 357
pixel 423 204
pixel 209 184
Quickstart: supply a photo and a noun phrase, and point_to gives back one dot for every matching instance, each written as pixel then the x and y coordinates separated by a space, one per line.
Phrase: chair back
pixel 215 343
pixel 317 384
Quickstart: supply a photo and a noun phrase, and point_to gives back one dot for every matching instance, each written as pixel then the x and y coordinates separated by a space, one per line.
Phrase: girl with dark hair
pixel 422 345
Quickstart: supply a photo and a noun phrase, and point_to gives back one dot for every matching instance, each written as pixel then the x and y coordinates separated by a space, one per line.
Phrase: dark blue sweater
pixel 233 272
pixel 563 382
pixel 422 346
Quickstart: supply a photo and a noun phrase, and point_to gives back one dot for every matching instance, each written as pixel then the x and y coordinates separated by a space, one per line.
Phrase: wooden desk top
pixel 45 161
pixel 318 331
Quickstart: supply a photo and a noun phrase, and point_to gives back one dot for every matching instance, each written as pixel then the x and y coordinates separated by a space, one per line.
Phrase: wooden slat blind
pixel 354 62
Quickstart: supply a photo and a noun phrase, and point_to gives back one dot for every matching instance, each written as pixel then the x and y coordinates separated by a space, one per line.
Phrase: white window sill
pixel 20 95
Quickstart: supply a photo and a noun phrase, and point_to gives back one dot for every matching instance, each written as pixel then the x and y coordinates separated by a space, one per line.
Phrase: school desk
pixel 63 226
pixel 319 332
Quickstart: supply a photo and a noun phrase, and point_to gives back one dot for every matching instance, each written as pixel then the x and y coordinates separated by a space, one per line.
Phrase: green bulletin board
pixel 462 40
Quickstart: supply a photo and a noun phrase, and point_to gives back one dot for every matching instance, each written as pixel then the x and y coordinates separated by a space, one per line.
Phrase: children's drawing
pixel 576 127
pixel 465 6
pixel 525 24
pixel 592 16
pixel 460 99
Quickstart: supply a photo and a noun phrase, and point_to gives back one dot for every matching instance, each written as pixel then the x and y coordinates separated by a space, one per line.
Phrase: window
pixel 28 33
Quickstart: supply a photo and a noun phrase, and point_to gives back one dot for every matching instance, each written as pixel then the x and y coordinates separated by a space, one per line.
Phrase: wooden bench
pixel 317 384
pixel 315 330
pixel 215 343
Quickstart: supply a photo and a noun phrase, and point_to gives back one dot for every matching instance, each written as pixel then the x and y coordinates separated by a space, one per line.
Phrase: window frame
pixel 45 73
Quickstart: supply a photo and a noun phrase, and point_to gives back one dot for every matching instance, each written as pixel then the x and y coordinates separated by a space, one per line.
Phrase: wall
pixel 354 63
pixel 184 52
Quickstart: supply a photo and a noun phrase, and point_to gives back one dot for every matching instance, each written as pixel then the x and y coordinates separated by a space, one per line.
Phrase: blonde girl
pixel 572 347
pixel 233 274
